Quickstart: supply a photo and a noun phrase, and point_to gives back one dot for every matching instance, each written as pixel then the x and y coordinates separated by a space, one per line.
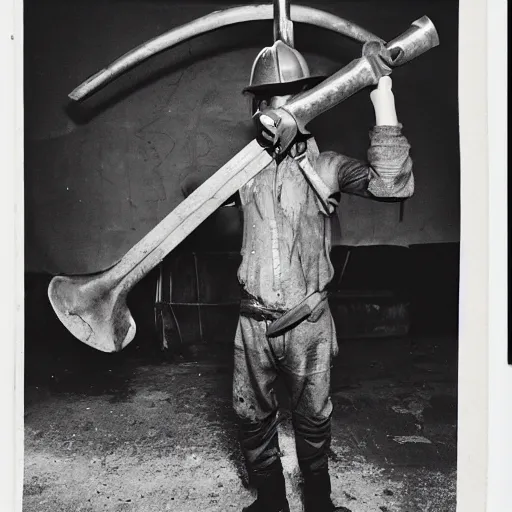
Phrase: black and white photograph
pixel 242 249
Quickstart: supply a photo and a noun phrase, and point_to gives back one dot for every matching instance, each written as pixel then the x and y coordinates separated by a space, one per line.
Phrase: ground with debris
pixel 140 434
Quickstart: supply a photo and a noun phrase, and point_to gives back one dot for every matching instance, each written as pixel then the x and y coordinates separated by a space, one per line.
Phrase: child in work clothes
pixel 285 261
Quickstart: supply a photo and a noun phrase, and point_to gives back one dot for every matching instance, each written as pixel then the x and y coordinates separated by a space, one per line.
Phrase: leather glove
pixel 276 130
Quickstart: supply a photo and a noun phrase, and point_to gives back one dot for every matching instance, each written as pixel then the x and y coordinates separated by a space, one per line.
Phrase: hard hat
pixel 279 70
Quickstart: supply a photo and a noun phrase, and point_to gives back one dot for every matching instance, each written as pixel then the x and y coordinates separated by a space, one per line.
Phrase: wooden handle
pixel 357 75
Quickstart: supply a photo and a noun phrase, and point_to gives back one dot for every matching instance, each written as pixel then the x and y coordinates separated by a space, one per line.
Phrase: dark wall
pixel 97 180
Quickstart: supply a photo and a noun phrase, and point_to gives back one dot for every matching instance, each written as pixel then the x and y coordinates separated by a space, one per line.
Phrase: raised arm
pixel 387 174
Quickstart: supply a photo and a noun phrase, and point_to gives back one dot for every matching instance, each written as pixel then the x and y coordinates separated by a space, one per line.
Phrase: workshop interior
pixel 150 426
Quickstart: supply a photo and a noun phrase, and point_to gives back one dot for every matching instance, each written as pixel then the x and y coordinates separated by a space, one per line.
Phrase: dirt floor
pixel 140 434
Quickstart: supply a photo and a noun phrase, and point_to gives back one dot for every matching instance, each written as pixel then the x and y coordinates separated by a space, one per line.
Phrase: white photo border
pixel 480 21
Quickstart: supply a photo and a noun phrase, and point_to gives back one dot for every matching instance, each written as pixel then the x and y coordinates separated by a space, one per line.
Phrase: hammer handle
pixel 377 61
pixel 357 75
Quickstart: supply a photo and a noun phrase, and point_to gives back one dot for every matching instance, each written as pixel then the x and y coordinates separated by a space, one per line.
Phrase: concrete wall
pixel 99 178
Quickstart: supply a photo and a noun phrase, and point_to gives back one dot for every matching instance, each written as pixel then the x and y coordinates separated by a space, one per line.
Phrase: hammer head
pixel 419 38
pixel 92 311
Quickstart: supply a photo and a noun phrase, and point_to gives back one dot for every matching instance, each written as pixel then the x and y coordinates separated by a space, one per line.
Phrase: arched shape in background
pixel 214 21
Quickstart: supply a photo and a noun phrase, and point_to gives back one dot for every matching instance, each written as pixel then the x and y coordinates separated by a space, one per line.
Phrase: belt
pixel 282 320
pixel 252 308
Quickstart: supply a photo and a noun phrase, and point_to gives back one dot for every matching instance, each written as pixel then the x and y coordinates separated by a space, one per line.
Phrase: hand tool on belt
pixel 282 320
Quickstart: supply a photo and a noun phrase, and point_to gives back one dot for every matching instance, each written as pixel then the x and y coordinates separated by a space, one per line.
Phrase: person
pixel 285 259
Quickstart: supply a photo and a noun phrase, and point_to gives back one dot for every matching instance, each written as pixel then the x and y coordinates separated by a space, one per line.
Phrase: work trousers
pixel 302 356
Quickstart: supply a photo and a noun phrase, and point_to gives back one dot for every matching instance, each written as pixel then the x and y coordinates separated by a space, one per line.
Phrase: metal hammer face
pixel 419 38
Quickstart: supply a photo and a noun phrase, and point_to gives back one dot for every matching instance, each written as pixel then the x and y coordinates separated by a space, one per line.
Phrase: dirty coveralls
pixel 285 258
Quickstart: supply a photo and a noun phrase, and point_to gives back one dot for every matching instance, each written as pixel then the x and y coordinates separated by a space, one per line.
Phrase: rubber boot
pixel 317 492
pixel 271 493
